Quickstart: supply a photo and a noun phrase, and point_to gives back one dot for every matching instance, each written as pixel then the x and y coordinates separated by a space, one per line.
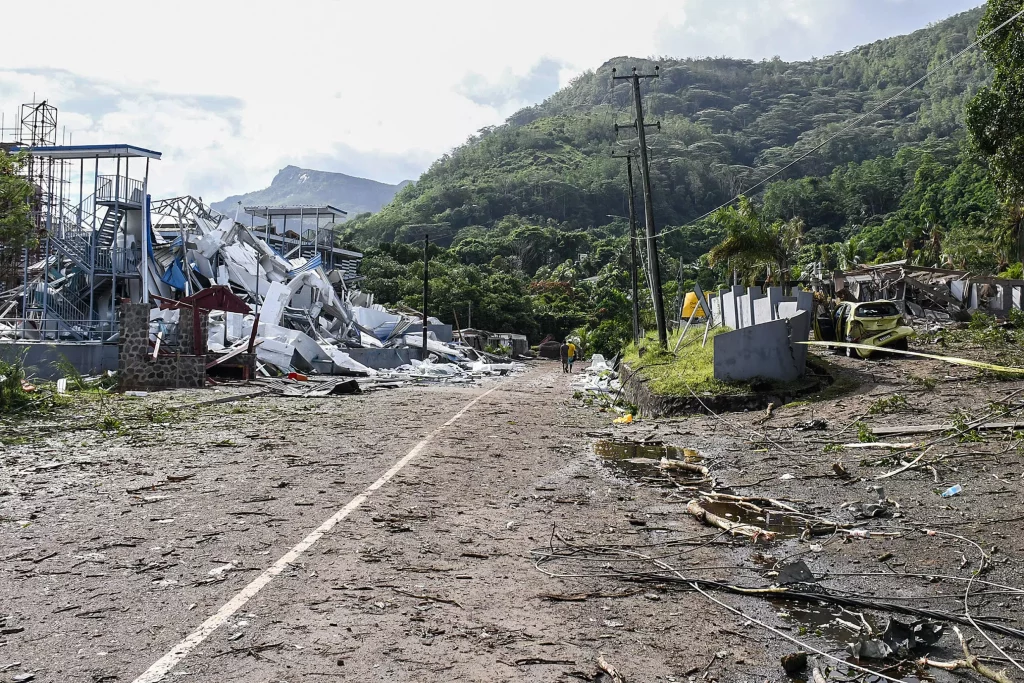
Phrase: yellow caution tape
pixel 947 359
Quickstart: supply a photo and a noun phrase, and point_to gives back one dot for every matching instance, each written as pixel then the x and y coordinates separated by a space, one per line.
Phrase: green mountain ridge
pixel 527 218
pixel 726 124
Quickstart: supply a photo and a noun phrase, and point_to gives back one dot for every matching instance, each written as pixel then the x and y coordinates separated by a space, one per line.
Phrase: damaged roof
pixel 295 210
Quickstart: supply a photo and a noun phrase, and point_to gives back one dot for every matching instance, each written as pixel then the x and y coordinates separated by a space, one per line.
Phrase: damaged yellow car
pixel 872 323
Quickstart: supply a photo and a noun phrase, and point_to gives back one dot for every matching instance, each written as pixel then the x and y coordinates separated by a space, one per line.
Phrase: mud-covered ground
pixel 127 523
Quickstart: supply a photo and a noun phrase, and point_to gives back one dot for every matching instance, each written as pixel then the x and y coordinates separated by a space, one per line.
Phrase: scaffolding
pixel 89 208
pixel 36 127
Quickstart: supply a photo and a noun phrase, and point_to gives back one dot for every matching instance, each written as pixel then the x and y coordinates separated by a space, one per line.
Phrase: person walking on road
pixel 571 356
pixel 563 353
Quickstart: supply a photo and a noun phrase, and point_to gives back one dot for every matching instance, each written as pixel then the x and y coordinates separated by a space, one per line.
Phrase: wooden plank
pixel 237 349
pixel 929 429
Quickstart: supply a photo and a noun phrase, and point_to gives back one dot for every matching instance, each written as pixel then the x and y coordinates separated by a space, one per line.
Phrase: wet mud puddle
pixel 654 464
pixel 776 521
pixel 844 629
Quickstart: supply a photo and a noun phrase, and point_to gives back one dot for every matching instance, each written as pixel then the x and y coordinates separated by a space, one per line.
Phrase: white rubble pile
pixel 307 317
pixel 454 373
pixel 599 378
pixel 288 294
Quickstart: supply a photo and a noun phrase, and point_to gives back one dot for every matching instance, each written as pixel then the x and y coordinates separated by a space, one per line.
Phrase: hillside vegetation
pixel 540 198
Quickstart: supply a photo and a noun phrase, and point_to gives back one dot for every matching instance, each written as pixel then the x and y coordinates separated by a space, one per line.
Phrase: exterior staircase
pixel 107 228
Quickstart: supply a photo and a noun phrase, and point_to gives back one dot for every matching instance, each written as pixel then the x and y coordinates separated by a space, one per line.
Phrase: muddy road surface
pixel 474 533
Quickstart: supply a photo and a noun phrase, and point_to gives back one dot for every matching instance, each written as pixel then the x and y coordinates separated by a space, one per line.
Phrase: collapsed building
pixel 105 244
pixel 931 293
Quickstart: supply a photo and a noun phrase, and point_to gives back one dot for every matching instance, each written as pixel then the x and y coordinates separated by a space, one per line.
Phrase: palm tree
pixel 848 253
pixel 753 246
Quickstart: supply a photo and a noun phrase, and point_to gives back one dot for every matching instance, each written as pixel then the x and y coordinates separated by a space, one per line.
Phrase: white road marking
pixel 170 660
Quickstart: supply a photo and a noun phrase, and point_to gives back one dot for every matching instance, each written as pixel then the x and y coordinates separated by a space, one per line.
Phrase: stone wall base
pixel 635 389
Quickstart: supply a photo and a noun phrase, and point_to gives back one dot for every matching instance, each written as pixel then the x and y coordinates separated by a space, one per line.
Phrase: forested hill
pixel 725 124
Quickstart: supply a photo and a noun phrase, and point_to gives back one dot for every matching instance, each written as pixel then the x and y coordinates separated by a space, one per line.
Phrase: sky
pixel 231 91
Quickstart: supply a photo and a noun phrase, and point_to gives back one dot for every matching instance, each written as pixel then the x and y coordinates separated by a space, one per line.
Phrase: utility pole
pixel 628 156
pixel 426 292
pixel 645 170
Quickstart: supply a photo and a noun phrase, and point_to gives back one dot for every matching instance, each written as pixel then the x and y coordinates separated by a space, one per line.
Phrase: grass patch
pixel 892 404
pixel 694 366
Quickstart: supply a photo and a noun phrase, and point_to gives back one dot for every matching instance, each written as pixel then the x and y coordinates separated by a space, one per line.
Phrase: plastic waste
pixel 624 420
pixel 137 394
pixel 787 477
pixel 952 491
pixel 860 533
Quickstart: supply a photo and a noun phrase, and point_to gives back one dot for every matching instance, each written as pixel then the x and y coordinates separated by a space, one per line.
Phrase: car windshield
pixel 877 310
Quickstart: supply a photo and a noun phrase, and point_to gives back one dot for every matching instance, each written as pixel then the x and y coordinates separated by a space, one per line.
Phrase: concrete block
pixel 762 351
pixel 787 309
pixel 800 331
pixel 729 310
pixel 775 296
pixel 805 301
pixel 745 317
pixel 763 312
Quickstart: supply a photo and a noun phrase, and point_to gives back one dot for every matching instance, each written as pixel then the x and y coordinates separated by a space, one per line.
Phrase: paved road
pixel 134 574
pixel 135 532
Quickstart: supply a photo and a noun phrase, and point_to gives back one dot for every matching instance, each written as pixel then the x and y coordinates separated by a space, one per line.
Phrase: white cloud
pixel 233 90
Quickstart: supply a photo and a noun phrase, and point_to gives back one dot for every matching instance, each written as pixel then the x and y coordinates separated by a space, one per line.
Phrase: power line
pixel 851 125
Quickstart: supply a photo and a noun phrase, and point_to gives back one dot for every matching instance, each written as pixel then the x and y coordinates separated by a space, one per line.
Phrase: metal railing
pixel 60 304
pixel 56 329
pixel 121 189
pixel 119 260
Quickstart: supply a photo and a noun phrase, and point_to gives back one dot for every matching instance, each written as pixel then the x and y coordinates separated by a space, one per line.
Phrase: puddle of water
pixel 641 461
pixel 834 624
pixel 775 521
pixel 838 626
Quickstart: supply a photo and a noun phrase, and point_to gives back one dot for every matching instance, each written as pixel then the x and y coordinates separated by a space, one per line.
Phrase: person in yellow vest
pixel 572 355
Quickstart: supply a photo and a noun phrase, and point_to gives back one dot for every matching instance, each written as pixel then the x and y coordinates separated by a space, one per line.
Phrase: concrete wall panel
pixel 762 351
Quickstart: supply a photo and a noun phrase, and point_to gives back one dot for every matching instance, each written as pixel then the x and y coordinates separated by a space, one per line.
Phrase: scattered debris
pixel 793 573
pixel 610 670
pixel 794 662
pixel 898 640
pixel 954 490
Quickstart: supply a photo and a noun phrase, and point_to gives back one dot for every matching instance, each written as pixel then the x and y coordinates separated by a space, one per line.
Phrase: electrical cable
pixel 967 595
pixel 849 126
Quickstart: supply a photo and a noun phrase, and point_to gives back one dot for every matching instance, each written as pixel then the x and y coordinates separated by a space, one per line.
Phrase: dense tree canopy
pixel 531 213
pixel 16 224
pixel 994 117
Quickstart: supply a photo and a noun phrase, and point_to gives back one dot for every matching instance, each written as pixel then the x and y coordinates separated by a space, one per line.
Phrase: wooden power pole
pixel 628 156
pixel 645 170
pixel 426 290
